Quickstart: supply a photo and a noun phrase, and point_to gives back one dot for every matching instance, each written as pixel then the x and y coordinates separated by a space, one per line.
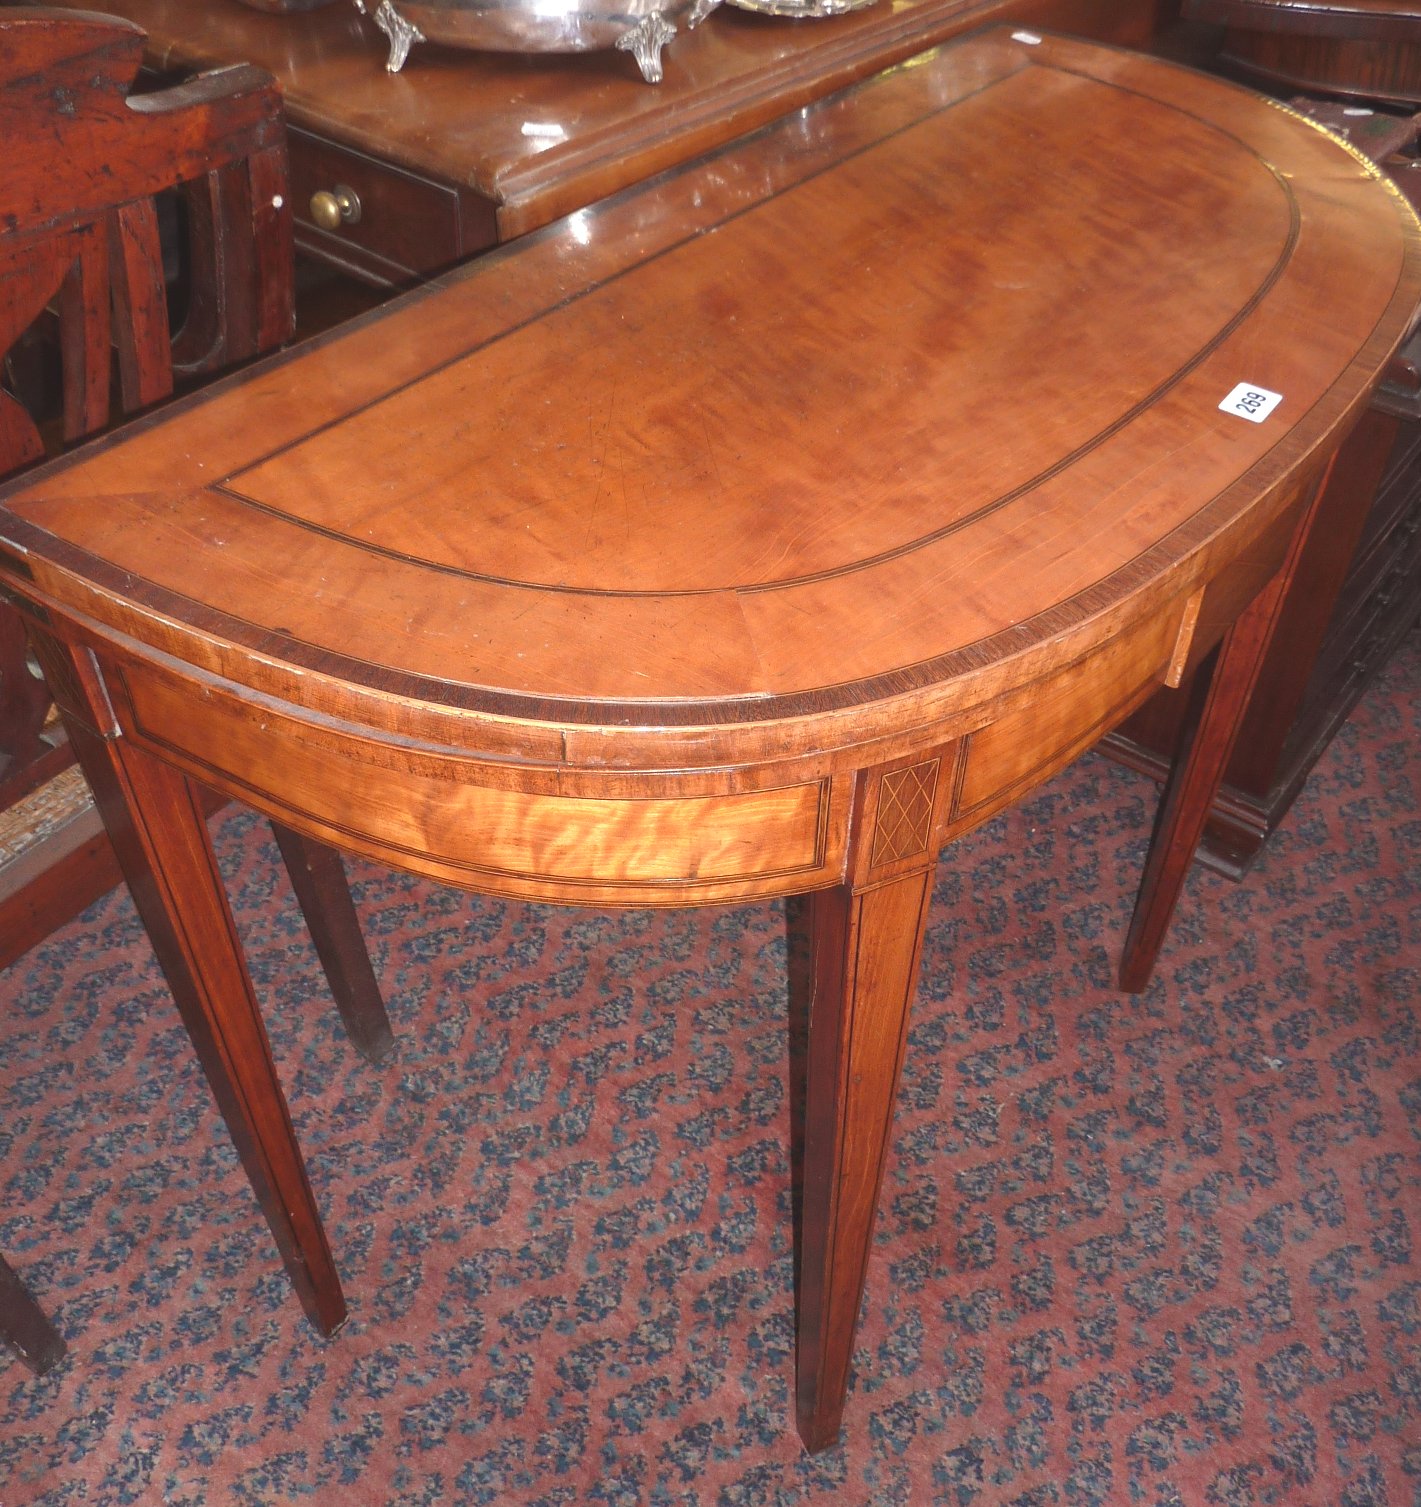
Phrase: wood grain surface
pixel 1359 20
pixel 646 473
pixel 753 532
pixel 1365 48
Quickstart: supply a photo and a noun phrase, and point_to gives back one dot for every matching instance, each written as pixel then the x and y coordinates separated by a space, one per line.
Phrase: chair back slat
pixel 82 279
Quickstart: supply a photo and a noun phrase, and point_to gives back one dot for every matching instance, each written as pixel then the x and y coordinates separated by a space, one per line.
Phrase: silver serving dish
pixel 640 27
pixel 807 9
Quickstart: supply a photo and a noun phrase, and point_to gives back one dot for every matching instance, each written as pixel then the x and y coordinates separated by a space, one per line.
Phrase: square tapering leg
pixel 865 950
pixel 24 1325
pixel 154 819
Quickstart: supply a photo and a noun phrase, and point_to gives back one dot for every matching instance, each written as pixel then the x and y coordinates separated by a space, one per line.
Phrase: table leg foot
pixel 154 819
pixel 24 1326
pixel 865 947
pixel 323 893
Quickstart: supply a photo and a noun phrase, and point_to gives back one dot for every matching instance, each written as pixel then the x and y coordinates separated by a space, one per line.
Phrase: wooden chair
pixel 81 257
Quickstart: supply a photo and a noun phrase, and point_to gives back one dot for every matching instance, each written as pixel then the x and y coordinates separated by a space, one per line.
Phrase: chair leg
pixel 318 877
pixel 23 1324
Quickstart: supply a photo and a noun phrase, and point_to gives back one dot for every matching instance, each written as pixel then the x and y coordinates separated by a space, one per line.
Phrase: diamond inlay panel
pixel 905 812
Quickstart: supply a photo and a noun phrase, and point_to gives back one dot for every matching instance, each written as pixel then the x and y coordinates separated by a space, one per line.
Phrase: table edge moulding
pixel 752 533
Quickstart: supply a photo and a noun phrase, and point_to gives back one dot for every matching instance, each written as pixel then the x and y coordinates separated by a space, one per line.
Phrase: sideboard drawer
pixel 406 226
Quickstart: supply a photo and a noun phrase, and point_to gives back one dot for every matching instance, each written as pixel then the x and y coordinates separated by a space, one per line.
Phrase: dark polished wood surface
pixel 753 533
pixel 462 150
pixel 1367 48
pixel 1370 20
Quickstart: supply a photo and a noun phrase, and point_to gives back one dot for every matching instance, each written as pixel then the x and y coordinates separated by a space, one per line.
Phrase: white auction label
pixel 1250 402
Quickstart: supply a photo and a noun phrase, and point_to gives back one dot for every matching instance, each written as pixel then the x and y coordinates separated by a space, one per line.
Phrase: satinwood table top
pixel 908 399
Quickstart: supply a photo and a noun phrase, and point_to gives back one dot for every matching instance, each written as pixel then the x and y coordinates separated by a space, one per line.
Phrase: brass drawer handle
pixel 332 208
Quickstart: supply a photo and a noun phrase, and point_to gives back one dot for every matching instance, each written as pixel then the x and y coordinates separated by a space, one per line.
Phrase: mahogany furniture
pixel 395 177
pixel 220 138
pixel 94 249
pixel 753 533
pixel 1370 48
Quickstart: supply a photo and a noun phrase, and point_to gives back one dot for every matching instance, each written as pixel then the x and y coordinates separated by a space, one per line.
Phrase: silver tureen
pixel 640 27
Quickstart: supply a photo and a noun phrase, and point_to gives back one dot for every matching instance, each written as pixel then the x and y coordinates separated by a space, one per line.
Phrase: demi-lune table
pixel 752 533
pixel 394 178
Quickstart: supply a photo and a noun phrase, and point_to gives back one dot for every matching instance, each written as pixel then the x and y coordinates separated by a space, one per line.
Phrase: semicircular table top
pixel 955 349
pixel 753 532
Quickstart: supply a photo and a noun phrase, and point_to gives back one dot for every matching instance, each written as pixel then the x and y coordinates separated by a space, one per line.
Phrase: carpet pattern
pixel 1154 1250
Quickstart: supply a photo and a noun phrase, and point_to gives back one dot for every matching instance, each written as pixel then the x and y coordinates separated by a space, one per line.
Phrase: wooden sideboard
pixel 461 151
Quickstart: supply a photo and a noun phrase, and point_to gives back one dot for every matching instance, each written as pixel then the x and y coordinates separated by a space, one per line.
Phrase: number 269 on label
pixel 1250 402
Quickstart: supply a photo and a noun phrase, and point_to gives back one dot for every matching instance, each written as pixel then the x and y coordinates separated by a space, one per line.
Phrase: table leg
pixel 24 1326
pixel 1223 690
pixel 154 819
pixel 865 945
pixel 318 877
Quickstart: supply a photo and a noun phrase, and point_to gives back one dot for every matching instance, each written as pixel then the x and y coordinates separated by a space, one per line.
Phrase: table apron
pixel 597 838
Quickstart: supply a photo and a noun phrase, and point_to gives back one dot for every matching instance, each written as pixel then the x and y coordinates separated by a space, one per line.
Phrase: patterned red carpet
pixel 1141 1251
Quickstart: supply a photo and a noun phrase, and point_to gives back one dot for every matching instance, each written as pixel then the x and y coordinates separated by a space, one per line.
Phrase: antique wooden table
pixel 461 151
pixel 396 178
pixel 753 533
